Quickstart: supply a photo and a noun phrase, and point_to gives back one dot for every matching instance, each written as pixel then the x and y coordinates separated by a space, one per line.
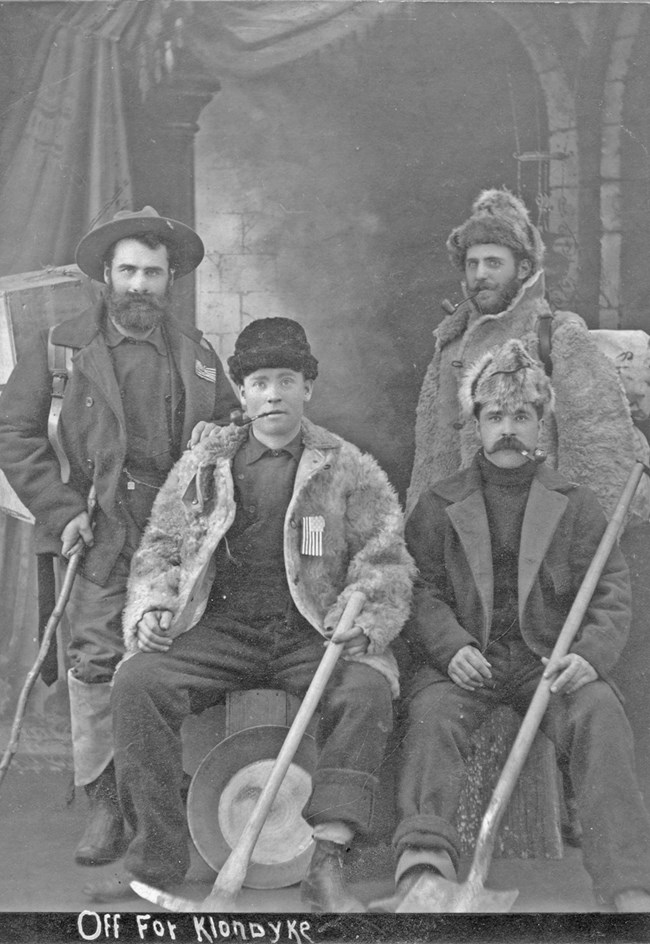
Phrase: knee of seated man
pixel 361 687
pixel 597 701
pixel 134 676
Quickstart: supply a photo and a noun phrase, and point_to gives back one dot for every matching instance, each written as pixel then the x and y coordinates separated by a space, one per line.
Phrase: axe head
pixel 433 894
pixel 164 899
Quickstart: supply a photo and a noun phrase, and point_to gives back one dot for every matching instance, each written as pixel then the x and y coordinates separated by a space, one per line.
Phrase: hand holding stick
pixel 50 629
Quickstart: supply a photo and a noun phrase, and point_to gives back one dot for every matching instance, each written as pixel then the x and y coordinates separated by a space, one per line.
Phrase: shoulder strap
pixel 544 338
pixel 59 362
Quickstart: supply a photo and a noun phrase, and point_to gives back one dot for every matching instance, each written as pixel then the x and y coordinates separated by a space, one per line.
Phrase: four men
pixel 138 382
pixel 260 533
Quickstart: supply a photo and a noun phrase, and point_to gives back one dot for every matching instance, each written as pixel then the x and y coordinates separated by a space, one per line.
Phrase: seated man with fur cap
pixel 502 548
pixel 591 437
pixel 255 544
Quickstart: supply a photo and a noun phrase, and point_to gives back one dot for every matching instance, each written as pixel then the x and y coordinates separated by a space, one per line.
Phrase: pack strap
pixel 545 340
pixel 59 362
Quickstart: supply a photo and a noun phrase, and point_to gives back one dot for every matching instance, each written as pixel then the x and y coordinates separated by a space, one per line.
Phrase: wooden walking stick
pixel 439 895
pixel 232 874
pixel 50 629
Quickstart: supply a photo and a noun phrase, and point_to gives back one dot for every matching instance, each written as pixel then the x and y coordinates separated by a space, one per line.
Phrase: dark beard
pixel 504 296
pixel 136 312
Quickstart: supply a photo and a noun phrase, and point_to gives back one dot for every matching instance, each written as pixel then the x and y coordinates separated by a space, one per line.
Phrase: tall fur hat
pixel 499 217
pixel 272 342
pixel 507 376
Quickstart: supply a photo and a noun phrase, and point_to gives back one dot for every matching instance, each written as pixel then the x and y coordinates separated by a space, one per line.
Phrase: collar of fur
pixel 455 324
pixel 225 443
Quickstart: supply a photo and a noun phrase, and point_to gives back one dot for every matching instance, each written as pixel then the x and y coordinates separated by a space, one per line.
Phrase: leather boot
pixel 104 837
pixel 323 888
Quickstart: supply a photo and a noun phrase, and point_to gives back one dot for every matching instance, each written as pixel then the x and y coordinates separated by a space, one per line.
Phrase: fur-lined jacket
pixel 363 544
pixel 591 437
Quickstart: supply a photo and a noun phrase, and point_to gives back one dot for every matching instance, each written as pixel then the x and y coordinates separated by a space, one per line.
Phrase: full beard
pixel 502 297
pixel 137 312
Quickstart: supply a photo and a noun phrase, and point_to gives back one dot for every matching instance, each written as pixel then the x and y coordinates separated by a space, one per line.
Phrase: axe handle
pixel 232 874
pixel 533 717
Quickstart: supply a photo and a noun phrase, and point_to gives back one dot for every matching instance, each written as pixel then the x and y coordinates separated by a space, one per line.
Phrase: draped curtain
pixel 64 159
pixel 64 166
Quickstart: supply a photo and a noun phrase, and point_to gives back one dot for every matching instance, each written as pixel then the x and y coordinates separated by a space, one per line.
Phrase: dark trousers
pixel 588 727
pixel 154 692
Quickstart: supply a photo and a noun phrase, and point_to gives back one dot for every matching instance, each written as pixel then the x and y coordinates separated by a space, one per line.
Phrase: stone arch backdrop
pixel 326 189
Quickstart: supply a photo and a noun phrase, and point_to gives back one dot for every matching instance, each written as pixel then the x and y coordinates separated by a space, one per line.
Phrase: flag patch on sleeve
pixel 205 373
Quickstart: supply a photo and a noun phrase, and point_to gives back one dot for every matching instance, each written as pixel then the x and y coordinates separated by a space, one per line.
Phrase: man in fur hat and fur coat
pixel 138 383
pixel 255 544
pixel 590 438
pixel 502 548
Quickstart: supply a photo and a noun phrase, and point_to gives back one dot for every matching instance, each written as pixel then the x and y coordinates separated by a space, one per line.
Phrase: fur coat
pixel 363 543
pixel 590 438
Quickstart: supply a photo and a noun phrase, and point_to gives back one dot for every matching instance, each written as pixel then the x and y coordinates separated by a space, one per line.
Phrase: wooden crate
pixel 29 302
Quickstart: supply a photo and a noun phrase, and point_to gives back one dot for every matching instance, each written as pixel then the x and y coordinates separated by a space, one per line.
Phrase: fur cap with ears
pixel 498 217
pixel 507 376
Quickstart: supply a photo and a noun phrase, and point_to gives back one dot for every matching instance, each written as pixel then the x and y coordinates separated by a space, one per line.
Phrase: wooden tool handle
pixel 233 872
pixel 532 719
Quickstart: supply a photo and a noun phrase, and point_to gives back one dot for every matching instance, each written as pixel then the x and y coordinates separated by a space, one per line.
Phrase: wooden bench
pixel 531 827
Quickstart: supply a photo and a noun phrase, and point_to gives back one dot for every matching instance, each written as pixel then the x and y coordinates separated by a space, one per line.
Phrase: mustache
pixel 507 442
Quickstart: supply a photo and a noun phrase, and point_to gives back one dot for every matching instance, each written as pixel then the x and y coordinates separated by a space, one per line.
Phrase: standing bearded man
pixel 590 437
pixel 138 383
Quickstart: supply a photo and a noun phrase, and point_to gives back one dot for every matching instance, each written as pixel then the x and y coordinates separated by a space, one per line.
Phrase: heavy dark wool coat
pixel 93 429
pixel 448 535
pixel 363 541
pixel 590 440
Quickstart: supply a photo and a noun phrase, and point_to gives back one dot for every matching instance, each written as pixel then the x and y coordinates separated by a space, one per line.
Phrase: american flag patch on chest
pixel 313 527
pixel 205 373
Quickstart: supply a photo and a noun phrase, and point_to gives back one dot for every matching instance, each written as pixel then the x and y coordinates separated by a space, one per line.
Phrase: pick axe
pixel 434 894
pixel 231 877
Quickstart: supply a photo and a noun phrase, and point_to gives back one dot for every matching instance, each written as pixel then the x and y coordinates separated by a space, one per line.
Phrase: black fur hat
pixel 272 342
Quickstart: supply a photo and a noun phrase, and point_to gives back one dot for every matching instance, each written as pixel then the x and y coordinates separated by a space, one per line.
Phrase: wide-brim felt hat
pixel 186 249
pixel 223 794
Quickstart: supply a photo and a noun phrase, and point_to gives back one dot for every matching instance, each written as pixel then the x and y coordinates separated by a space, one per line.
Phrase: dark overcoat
pixel 448 535
pixel 93 429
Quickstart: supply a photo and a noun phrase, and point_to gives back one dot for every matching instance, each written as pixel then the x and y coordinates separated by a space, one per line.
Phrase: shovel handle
pixel 533 717
pixel 233 872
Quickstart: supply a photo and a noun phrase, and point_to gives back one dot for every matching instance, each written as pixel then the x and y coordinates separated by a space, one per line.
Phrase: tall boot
pixel 323 888
pixel 104 837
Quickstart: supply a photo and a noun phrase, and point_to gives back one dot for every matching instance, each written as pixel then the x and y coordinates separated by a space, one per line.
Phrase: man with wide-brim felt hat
pixel 136 382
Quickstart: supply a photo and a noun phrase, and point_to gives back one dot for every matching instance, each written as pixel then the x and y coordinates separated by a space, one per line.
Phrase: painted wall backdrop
pixel 325 191
pixel 324 151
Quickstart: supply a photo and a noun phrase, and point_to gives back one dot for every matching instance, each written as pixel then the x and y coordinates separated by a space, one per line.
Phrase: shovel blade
pixel 436 895
pixel 164 899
